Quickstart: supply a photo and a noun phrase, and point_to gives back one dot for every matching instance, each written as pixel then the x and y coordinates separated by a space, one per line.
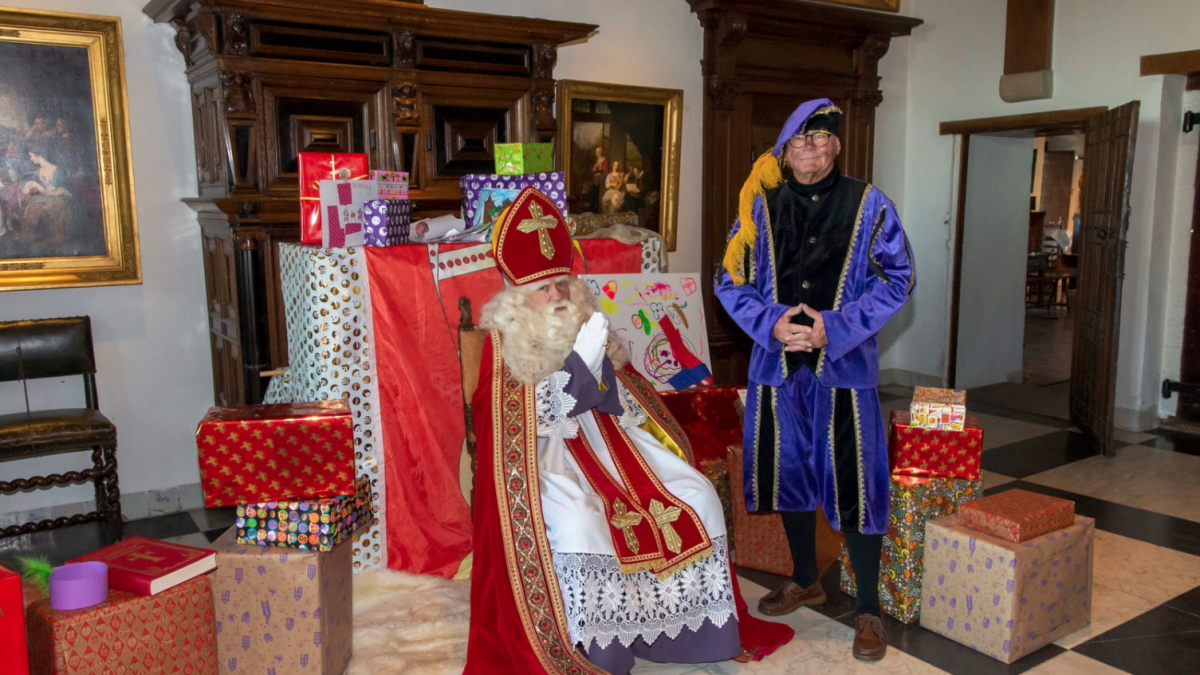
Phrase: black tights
pixel 865 551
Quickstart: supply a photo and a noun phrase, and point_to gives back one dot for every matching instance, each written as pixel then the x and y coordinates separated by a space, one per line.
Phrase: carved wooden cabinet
pixel 423 90
pixel 762 58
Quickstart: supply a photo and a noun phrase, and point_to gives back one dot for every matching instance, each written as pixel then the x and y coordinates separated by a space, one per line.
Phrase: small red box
pixel 172 632
pixel 276 452
pixel 934 453
pixel 1017 515
pixel 12 624
pixel 316 167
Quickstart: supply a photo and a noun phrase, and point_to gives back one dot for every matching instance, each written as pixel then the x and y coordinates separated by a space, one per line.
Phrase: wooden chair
pixel 58 348
pixel 470 357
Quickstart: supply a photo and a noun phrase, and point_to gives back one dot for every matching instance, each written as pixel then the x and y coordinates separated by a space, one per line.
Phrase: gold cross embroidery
pixel 663 517
pixel 624 521
pixel 144 556
pixel 540 224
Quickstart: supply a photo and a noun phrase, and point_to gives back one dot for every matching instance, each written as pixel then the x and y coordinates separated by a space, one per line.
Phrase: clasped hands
pixel 797 338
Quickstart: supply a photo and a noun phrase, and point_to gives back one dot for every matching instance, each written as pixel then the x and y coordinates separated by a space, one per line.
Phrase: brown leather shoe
pixel 789 597
pixel 870 639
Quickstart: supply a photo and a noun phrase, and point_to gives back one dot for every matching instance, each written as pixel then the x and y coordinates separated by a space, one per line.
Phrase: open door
pixel 1107 177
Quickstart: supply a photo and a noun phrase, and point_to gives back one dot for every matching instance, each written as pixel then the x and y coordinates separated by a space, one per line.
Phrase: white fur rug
pixel 409 623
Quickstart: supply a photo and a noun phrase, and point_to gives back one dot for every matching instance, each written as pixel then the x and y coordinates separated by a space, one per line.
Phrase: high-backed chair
pixel 470 355
pixel 31 350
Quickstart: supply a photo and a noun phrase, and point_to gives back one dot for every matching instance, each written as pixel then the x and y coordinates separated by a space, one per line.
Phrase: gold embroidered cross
pixel 663 517
pixel 624 521
pixel 540 224
pixel 144 556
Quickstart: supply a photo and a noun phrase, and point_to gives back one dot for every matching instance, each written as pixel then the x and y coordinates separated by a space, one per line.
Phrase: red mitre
pixel 531 241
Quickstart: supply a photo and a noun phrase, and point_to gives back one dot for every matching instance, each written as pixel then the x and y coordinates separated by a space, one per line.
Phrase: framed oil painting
pixel 67 214
pixel 619 149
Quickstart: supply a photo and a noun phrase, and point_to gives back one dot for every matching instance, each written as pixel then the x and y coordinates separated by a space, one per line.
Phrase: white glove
pixel 590 343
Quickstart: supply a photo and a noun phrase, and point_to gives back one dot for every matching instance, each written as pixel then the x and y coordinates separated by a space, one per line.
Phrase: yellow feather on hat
pixel 765 175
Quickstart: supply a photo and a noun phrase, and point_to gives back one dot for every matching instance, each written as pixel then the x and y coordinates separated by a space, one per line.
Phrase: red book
pixel 12 624
pixel 145 566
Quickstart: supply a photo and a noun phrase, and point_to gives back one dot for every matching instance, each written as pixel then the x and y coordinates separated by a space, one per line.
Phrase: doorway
pixel 1001 270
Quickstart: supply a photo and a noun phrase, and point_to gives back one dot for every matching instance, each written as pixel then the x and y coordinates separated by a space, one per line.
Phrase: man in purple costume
pixel 816 265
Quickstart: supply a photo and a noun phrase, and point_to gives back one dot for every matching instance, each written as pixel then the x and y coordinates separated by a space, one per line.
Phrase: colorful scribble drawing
pixel 664 328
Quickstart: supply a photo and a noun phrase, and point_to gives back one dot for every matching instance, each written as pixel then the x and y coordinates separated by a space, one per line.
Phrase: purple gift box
pixel 1005 598
pixel 551 183
pixel 386 221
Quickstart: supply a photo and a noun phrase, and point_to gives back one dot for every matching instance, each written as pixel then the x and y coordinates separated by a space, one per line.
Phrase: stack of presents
pixel 1004 575
pixel 273 595
pixel 344 203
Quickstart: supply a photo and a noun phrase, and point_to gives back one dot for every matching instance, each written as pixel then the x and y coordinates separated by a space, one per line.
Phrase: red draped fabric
pixel 420 392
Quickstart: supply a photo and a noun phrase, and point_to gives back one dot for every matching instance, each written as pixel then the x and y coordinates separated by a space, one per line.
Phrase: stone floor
pixel 1146 616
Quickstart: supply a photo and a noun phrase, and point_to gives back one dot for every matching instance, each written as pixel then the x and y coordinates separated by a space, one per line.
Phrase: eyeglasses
pixel 818 139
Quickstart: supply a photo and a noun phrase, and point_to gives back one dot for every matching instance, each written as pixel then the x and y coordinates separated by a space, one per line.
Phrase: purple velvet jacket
pixel 877 279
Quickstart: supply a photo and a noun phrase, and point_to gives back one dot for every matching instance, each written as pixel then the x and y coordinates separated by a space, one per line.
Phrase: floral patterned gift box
pixel 1004 598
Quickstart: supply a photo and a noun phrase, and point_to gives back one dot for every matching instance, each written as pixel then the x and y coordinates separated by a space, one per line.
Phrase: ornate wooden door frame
pixel 759 54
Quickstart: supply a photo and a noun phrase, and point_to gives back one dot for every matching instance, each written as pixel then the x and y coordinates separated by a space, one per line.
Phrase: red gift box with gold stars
pixel 276 452
pixel 934 453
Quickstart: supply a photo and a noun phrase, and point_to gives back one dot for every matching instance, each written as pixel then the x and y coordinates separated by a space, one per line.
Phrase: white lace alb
pixel 633 416
pixel 605 604
pixel 553 405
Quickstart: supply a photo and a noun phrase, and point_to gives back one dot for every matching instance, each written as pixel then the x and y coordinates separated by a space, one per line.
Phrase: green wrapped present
pixel 915 501
pixel 515 159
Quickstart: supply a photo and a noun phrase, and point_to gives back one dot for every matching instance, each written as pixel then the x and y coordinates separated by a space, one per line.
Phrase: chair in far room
pixel 58 348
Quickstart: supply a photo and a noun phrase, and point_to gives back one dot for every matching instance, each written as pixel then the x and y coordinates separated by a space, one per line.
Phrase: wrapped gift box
pixel 1018 515
pixel 914 502
pixel 342 218
pixel 309 524
pixel 12 623
pixel 710 417
pixel 514 159
pixel 933 408
pixel 282 609
pixel 318 166
pixel 172 632
pixel 717 473
pixel 1003 598
pixel 386 221
pixel 761 542
pixel 476 188
pixel 392 184
pixel 934 453
pixel 282 451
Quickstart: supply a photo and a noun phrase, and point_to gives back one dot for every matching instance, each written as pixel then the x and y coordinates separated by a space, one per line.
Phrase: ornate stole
pixel 651 528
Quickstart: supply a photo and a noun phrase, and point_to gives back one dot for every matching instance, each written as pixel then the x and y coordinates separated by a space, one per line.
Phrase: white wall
pixel 647 44
pixel 954 64
pixel 991 317
pixel 151 340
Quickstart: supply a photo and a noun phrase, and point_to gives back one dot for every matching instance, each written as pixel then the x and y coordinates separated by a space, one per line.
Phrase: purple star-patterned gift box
pixel 386 221
pixel 551 183
pixel 282 610
pixel 1004 598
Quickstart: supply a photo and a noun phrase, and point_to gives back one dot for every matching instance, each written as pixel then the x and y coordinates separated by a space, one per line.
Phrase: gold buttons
pixel 812 240
pixel 806 284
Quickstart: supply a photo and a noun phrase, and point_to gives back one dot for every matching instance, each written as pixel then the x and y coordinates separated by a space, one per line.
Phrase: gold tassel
pixel 765 175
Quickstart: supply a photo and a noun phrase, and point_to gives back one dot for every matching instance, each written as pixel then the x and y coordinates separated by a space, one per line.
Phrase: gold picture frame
pixel 68 216
pixel 885 5
pixel 597 121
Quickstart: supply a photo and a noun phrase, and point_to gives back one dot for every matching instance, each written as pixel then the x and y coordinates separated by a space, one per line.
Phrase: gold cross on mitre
pixel 624 521
pixel 540 224
pixel 663 517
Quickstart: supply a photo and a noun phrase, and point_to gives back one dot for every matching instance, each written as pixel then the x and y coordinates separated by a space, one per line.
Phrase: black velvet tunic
pixel 811 226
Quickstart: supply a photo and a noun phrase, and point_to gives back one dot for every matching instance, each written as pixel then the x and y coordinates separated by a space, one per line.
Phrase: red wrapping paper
pixel 420 389
pixel 172 632
pixel 710 418
pixel 276 452
pixel 12 624
pixel 1017 515
pixel 318 166
pixel 934 453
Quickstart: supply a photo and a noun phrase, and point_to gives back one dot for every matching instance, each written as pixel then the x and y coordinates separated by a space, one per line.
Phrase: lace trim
pixel 604 604
pixel 633 416
pixel 553 405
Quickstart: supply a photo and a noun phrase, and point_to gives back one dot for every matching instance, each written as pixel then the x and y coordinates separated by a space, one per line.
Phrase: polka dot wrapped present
pixel 386 221
pixel 1004 598
pixel 307 524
